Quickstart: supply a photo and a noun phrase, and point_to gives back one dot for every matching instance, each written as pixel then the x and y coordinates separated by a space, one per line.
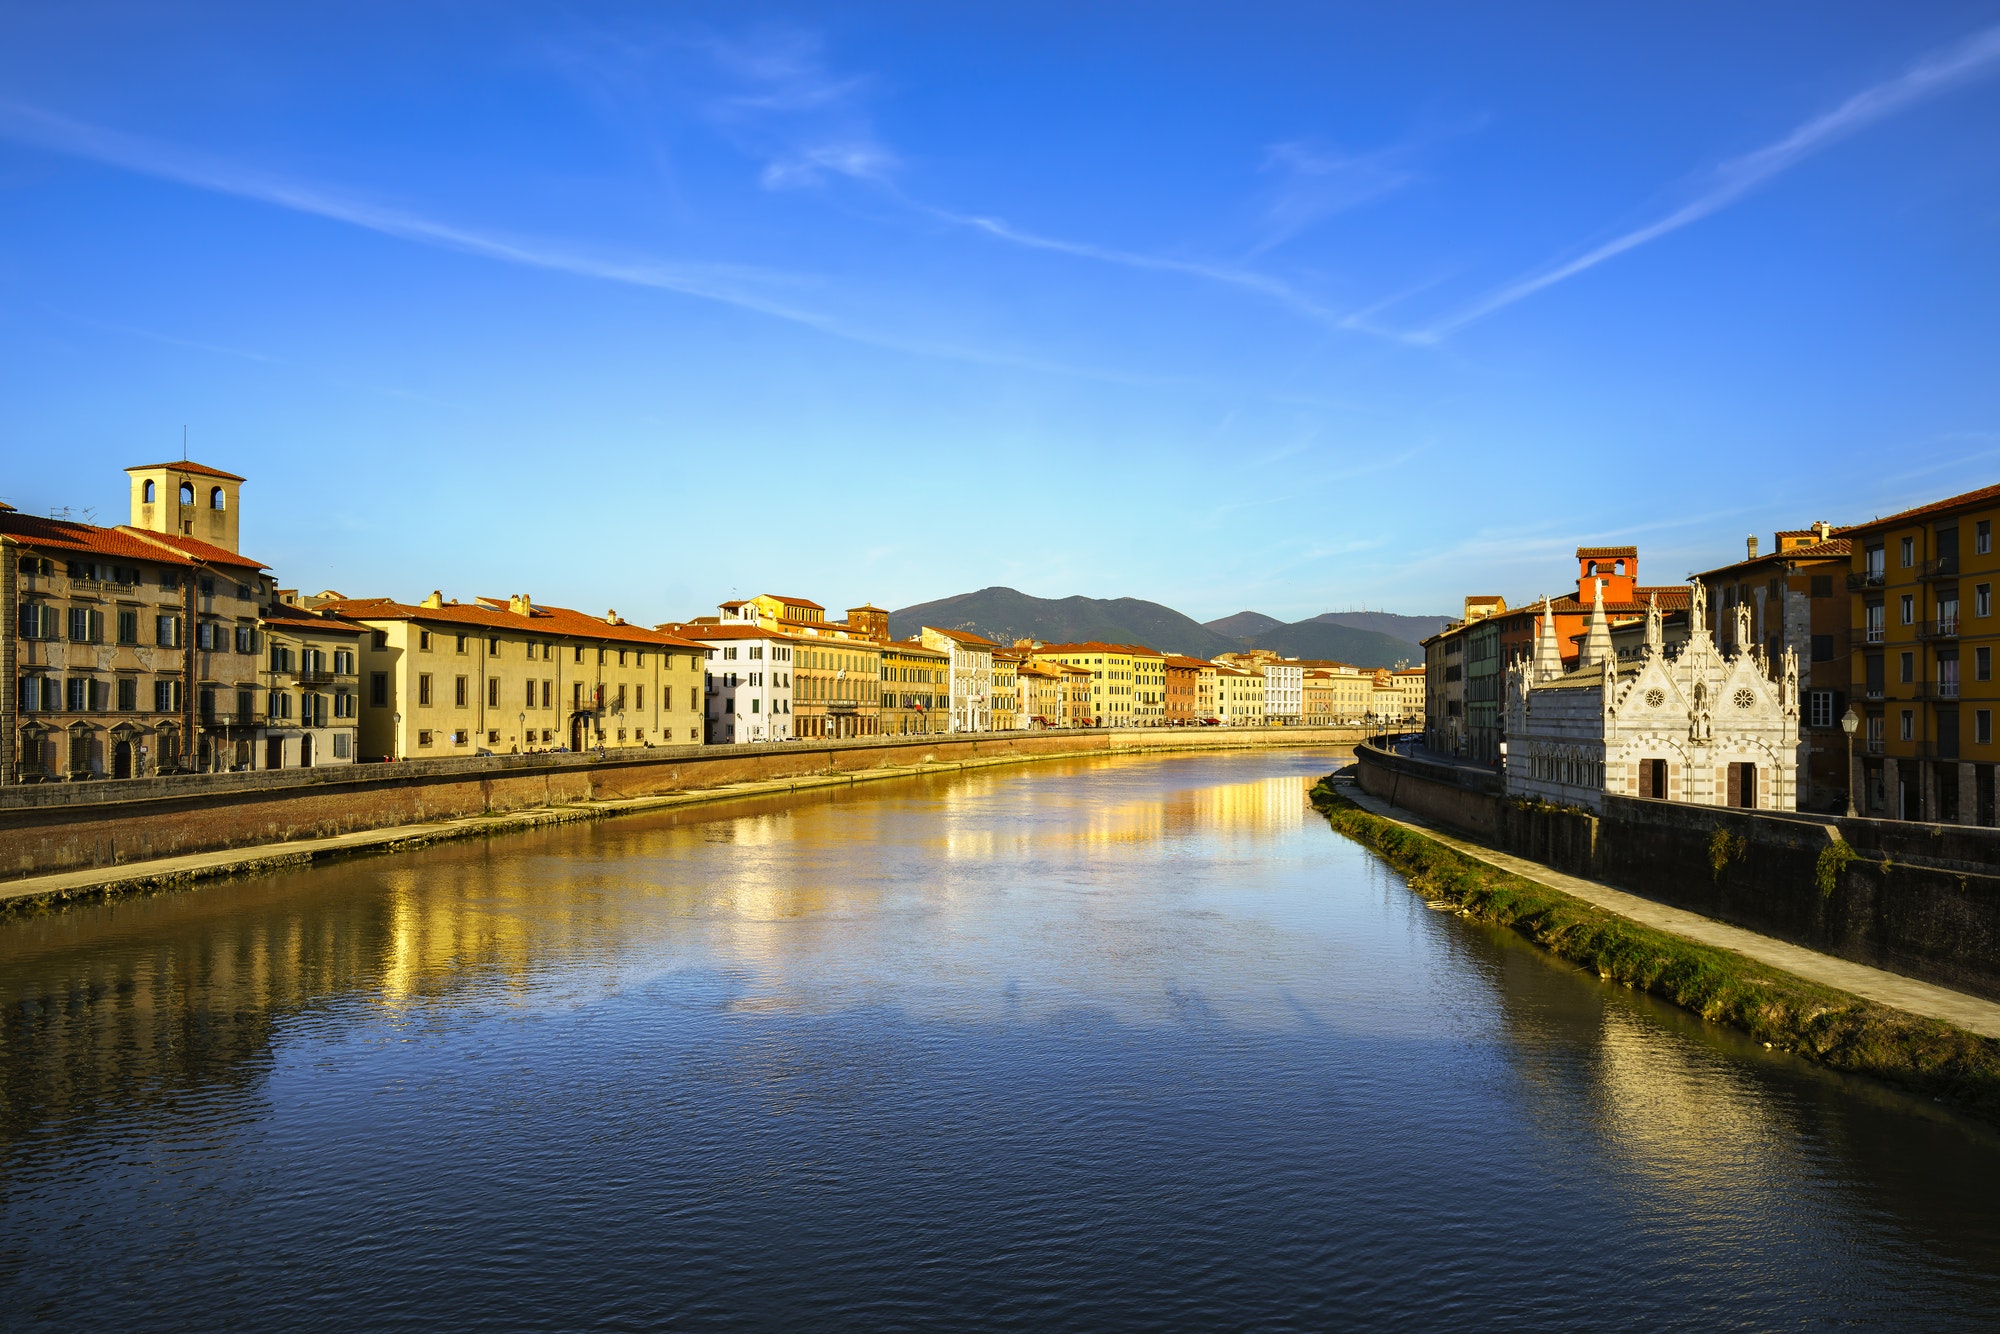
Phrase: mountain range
pixel 1364 638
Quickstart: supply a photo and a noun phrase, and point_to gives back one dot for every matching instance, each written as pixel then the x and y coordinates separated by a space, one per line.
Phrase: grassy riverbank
pixel 1820 1023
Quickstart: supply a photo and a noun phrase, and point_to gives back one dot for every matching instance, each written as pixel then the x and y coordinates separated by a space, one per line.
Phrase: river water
pixel 1123 1043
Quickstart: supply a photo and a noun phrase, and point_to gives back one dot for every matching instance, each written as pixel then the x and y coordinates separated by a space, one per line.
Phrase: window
pixel 579 653
pixel 128 694
pixel 246 639
pixel 150 493
pixel 1982 537
pixel 378 640
pixel 128 626
pixel 666 697
pixel 461 690
pixel 280 704
pixel 424 689
pixel 378 690
pixel 1819 708
pixel 1822 648
pixel 1982 664
pixel 756 652
pixel 492 692
pixel 343 662
pixel 1909 725
pixel 460 737
pixel 1982 726
pixel 492 647
pixel 1909 552
pixel 167 695
pixel 1982 599
pixel 342 745
pixel 548 694
pixel 1909 667
pixel 343 704
pixel 531 694
pixel 458 643
pixel 167 631
pixel 187 493
pixel 423 736
pixel 424 640
pixel 639 697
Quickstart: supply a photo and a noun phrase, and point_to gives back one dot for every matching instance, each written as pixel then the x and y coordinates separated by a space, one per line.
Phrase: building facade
pixel 1239 697
pixel 1701 725
pixel 505 676
pixel 971 676
pixel 1924 635
pixel 1798 599
pixel 1184 693
pixel 746 682
pixel 916 689
pixel 310 693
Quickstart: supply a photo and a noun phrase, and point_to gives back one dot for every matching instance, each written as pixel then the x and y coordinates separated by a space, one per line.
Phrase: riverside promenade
pixel 1971 1013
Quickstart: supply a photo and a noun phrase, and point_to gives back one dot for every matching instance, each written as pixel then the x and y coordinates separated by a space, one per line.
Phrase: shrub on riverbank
pixel 1836 1029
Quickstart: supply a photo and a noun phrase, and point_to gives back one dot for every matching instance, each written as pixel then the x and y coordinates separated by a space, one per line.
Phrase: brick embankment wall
pixel 76 826
pixel 1921 900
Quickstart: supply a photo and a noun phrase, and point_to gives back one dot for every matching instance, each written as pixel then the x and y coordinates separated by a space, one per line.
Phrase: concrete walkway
pixel 1884 988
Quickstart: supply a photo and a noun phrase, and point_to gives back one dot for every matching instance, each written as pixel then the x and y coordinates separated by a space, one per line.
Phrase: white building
pixel 971 676
pixel 749 681
pixel 1284 693
pixel 1695 725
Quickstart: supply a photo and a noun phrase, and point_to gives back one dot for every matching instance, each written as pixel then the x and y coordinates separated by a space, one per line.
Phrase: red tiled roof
pixel 182 465
pixel 1099 646
pixel 285 614
pixel 131 543
pixel 795 602
pixel 1836 548
pixel 707 630
pixel 1985 495
pixel 1602 553
pixel 542 620
pixel 1184 662
pixel 963 636
pixel 194 548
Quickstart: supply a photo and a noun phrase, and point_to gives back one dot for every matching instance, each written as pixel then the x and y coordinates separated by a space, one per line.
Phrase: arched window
pixel 187 493
pixel 215 498
pixel 149 491
pixel 1621 567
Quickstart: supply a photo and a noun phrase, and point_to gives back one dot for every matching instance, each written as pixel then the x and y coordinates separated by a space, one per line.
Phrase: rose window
pixel 1745 698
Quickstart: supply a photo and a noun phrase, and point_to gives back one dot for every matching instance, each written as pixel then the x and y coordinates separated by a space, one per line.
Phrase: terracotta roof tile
pixel 182 465
pixel 544 620
pixel 1604 553
pixel 1985 495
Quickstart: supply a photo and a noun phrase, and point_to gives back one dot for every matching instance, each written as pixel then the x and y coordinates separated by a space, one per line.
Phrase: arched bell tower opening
pixel 186 500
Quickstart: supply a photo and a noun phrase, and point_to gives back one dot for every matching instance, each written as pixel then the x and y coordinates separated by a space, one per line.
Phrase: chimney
pixel 1750 542
pixel 1824 529
pixel 611 618
pixel 436 599
pixel 521 604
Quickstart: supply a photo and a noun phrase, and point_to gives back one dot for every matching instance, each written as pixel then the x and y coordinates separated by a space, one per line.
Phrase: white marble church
pixel 1696 726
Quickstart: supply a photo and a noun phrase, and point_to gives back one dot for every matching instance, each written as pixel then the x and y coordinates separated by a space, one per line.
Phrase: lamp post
pixel 1850 722
pixel 523 734
pixel 396 738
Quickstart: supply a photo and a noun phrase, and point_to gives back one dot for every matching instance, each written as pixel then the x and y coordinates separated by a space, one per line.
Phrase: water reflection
pixel 1131 1041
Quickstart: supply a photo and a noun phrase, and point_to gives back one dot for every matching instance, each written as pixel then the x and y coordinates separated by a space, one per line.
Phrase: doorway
pixel 1653 779
pixel 1743 785
pixel 274 752
pixel 306 751
pixel 121 760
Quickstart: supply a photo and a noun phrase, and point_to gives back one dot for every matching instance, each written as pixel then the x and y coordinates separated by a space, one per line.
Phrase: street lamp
pixel 396 737
pixel 1850 722
pixel 522 733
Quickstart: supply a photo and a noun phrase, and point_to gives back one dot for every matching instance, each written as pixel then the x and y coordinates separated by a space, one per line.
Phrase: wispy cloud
pixel 728 284
pixel 808 123
pixel 1729 181
pixel 1314 183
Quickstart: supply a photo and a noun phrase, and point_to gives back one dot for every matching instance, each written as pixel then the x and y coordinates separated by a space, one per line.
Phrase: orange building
pixel 1184 693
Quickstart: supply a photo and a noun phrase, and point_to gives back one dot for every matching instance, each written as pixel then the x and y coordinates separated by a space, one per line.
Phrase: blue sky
pixel 1293 308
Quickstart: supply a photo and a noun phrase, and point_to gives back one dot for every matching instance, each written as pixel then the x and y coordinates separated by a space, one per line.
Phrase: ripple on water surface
pixel 1101 1044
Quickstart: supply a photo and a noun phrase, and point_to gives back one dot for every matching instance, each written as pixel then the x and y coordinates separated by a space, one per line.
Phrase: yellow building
pixel 1008 713
pixel 1128 682
pixel 1077 701
pixel 310 691
pixel 916 689
pixel 837 671
pixel 1239 696
pixel 1923 635
pixel 501 676
pixel 1410 688
pixel 1040 687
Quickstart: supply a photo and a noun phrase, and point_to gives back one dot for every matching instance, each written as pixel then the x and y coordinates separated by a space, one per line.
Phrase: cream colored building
pixel 503 676
pixel 971 676
pixel 1239 697
pixel 1008 711
pixel 310 692
pixel 1128 682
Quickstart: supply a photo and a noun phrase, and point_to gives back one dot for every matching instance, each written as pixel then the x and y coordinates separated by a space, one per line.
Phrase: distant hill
pixel 1317 639
pixel 1006 614
pixel 1243 624
pixel 1411 629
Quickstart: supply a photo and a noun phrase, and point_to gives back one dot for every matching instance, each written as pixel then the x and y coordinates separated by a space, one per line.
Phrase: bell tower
pixel 186 500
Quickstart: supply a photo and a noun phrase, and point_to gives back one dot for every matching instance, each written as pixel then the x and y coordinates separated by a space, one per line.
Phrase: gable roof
pixel 121 542
pixel 182 465
pixel 544 620
pixel 1985 495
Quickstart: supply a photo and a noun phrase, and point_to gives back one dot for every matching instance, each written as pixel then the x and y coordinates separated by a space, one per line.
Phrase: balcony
pixel 1864 637
pixel 1944 627
pixel 1872 746
pixel 1945 691
pixel 1873 690
pixel 1863 580
pixel 1944 567
pixel 314 676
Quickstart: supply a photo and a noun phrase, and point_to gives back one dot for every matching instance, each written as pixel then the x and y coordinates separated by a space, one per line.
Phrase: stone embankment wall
pixel 1921 900
pixel 49 827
